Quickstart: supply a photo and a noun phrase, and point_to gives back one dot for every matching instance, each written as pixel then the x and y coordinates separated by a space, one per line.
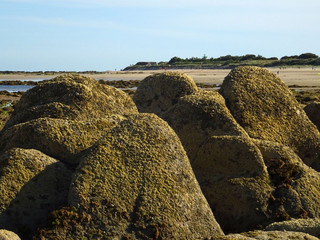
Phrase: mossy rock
pixel 313 112
pixel 310 226
pixel 278 235
pixel 266 108
pixel 31 186
pixel 158 92
pixel 59 138
pixel 201 115
pixel 296 186
pixel 72 97
pixel 8 235
pixel 137 183
pixel 234 179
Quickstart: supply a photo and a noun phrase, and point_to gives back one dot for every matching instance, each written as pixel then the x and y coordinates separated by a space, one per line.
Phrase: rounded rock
pixel 158 92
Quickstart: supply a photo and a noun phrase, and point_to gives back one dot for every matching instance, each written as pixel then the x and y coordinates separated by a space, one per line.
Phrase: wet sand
pixel 291 76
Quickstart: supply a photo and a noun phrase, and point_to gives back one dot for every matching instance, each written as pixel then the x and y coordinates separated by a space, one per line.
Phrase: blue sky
pixel 101 35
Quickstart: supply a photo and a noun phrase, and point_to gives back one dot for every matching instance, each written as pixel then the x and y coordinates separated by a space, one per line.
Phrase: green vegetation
pixel 228 61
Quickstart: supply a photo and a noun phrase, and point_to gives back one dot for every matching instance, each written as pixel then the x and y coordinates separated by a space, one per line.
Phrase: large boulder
pixel 296 186
pixel 158 92
pixel 313 112
pixel 72 97
pixel 235 181
pixel 137 183
pixel 59 138
pixel 265 107
pixel 310 226
pixel 31 186
pixel 201 115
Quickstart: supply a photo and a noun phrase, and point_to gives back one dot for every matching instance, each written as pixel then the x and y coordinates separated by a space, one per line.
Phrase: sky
pixel 101 35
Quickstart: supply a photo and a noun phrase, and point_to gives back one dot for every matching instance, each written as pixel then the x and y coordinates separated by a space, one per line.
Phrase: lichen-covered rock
pixel 265 107
pixel 137 183
pixel 297 186
pixel 158 92
pixel 234 179
pixel 310 226
pixel 279 235
pixel 31 185
pixel 313 112
pixel 59 138
pixel 71 97
pixel 198 116
pixel 8 235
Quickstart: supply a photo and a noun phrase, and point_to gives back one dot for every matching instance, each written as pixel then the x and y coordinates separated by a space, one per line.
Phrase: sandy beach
pixel 291 76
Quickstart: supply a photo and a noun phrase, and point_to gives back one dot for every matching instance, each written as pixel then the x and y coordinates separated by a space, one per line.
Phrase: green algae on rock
pixel 31 185
pixel 59 138
pixel 296 186
pixel 158 92
pixel 310 226
pixel 73 97
pixel 137 183
pixel 266 108
pixel 279 235
pixel 235 181
pixel 201 115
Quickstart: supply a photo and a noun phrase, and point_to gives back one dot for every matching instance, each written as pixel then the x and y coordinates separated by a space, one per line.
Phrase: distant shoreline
pixel 303 76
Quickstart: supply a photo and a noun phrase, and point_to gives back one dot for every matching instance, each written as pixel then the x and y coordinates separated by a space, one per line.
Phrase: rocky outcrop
pixel 201 115
pixel 265 107
pixel 297 186
pixel 235 181
pixel 158 92
pixel 137 183
pixel 310 226
pixel 59 138
pixel 31 185
pixel 278 235
pixel 313 112
pixel 71 97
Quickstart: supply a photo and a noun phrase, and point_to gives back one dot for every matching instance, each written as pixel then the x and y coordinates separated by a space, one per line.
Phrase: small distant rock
pixel 158 92
pixel 313 112
pixel 72 97
pixel 31 185
pixel 137 183
pixel 266 108
pixel 8 235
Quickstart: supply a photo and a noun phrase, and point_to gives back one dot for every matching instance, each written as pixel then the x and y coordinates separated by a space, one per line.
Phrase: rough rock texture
pixel 58 138
pixel 265 107
pixel 8 235
pixel 31 185
pixel 313 112
pixel 310 226
pixel 72 97
pixel 297 186
pixel 234 179
pixel 198 116
pixel 279 235
pixel 158 92
pixel 137 183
